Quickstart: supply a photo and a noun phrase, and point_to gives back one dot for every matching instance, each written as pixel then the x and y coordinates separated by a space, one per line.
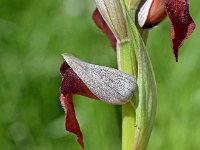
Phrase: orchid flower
pixel 152 12
pixel 98 82
pixel 117 87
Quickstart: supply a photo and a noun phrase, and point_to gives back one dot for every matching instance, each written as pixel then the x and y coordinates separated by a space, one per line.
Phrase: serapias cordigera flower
pixel 152 12
pixel 97 82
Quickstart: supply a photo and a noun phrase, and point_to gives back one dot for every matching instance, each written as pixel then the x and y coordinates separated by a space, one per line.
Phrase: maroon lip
pixel 71 85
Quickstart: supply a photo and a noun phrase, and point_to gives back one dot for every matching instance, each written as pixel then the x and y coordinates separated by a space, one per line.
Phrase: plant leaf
pixel 146 107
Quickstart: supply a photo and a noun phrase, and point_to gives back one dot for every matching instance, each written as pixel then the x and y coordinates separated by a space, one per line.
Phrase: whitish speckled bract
pixel 108 84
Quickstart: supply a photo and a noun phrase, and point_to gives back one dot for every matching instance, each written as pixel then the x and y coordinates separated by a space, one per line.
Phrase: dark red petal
pixel 104 27
pixel 64 67
pixel 71 123
pixel 72 84
pixel 182 25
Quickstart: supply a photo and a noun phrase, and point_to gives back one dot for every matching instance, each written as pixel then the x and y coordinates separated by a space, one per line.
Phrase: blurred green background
pixel 34 34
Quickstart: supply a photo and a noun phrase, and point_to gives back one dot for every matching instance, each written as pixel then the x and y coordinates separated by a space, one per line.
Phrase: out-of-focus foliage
pixel 34 33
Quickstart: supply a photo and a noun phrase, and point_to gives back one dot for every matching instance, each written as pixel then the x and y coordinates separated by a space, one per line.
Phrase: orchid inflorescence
pixel 116 19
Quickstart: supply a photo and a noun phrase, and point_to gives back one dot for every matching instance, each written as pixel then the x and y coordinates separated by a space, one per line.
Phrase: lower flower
pixel 98 82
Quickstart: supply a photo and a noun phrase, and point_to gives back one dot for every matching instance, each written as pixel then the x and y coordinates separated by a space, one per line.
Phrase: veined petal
pixel 97 82
pixel 150 13
pixel 143 11
pixel 182 24
pixel 113 15
pixel 99 21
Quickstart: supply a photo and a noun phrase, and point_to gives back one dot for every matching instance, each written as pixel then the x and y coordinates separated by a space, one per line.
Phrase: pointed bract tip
pixel 70 59
pixel 66 56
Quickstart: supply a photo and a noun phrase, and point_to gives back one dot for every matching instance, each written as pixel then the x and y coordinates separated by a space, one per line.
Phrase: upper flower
pixel 152 12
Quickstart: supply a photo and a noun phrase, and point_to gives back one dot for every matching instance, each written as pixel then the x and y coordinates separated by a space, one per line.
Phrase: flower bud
pixel 113 15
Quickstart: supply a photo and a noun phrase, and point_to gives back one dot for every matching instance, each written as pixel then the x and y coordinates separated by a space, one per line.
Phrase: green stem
pixel 126 59
pixel 127 63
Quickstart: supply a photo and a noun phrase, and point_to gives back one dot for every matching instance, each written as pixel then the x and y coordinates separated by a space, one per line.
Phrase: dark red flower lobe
pixel 72 84
pixel 71 123
pixel 99 21
pixel 182 24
